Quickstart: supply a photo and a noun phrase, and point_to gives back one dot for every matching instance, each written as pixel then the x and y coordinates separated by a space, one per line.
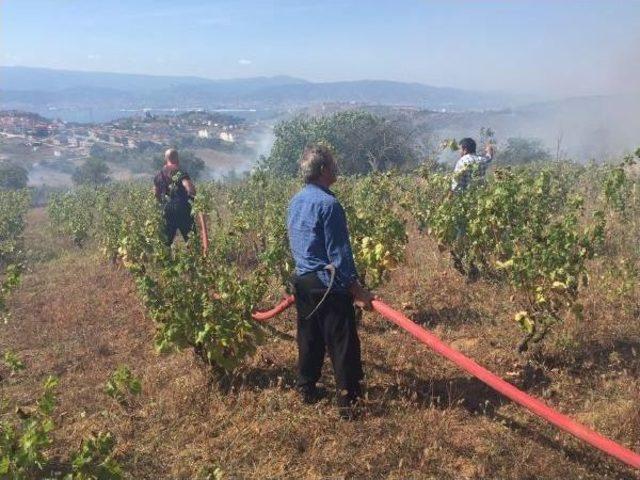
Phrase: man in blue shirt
pixel 326 282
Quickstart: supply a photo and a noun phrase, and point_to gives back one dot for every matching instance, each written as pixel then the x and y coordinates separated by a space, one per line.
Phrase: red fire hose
pixel 532 404
pixel 265 315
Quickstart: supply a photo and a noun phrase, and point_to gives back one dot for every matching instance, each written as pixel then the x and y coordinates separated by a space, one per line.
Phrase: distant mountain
pixel 50 80
pixel 383 93
pixel 46 90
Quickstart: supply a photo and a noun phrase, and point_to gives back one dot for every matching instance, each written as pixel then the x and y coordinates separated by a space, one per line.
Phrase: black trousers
pixel 331 328
pixel 175 220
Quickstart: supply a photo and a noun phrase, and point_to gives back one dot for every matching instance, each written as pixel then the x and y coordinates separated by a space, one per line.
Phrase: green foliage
pixel 527 228
pixel 72 213
pixel 205 303
pixel 135 159
pixel 363 142
pixel 12 361
pixel 618 186
pixel 377 231
pixel 252 222
pixel 13 177
pixel 13 208
pixel 92 172
pixel 148 157
pixel 211 473
pixel 14 205
pixel 22 442
pixel 196 302
pixel 11 279
pixel 95 459
pixel 449 143
pixel 123 383
pixel 522 151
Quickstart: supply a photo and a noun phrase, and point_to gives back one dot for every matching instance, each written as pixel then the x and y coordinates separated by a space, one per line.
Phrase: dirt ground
pixel 78 317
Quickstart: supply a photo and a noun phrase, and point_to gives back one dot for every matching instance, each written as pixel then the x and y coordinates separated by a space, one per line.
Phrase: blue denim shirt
pixel 318 235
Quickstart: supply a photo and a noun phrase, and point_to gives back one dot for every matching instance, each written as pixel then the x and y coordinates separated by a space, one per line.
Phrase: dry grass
pixel 79 318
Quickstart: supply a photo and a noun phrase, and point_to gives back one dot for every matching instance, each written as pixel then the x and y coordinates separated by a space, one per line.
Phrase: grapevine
pixel 13 209
pixel 526 228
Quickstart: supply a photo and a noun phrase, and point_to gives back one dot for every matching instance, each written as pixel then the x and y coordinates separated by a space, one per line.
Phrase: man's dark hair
pixel 314 158
pixel 468 144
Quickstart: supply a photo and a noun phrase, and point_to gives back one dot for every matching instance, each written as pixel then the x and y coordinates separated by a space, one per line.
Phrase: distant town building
pixel 226 137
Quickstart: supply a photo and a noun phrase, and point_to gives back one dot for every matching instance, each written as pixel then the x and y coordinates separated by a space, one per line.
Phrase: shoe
pixel 457 264
pixel 473 275
pixel 309 393
pixel 347 402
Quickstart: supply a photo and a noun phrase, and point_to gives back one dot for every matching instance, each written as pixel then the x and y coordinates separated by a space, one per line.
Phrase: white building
pixel 226 137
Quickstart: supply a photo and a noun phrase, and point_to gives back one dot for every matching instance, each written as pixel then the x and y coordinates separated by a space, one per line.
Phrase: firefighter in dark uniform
pixel 175 191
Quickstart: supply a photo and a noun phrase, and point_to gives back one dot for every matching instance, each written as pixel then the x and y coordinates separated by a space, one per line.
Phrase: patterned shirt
pixel 318 236
pixel 468 166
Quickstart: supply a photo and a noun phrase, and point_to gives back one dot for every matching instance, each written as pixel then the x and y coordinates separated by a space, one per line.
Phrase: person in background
pixel 175 191
pixel 326 283
pixel 470 165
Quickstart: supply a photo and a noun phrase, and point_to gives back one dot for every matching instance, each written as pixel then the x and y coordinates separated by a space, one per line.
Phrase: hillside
pixel 78 317
pixel 45 90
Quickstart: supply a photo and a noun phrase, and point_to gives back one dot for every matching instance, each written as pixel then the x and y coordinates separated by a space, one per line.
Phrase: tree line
pixel 364 142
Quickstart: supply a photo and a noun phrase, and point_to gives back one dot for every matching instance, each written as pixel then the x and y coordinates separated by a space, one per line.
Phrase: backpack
pixel 173 196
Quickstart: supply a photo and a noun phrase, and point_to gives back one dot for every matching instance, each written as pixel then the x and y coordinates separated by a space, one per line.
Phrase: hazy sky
pixel 551 47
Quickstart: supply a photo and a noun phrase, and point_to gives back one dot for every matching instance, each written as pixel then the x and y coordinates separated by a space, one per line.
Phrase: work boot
pixel 457 264
pixel 473 275
pixel 309 393
pixel 347 401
